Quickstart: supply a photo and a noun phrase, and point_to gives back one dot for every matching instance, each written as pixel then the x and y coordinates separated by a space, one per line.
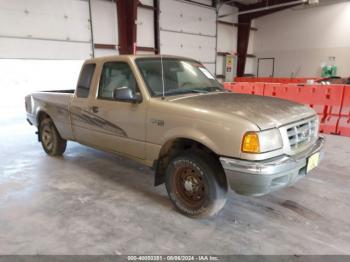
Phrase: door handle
pixel 94 109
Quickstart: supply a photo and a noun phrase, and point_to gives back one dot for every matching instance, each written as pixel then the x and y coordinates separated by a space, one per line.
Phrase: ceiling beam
pixel 271 6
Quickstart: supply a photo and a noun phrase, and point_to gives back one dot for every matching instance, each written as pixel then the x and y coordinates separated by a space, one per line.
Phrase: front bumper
pixel 262 177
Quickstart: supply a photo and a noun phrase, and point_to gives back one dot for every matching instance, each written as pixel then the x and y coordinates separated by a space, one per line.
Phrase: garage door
pixel 105 26
pixel 45 29
pixel 189 30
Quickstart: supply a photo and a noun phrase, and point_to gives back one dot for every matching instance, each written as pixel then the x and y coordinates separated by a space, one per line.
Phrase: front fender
pixel 192 134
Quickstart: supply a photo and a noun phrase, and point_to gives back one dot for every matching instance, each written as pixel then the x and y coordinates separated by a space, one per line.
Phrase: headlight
pixel 261 142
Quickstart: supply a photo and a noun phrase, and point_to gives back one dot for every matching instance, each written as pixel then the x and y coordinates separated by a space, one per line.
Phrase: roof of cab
pixel 133 57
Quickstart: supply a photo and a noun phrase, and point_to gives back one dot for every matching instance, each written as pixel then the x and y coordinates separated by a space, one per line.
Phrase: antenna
pixel 163 88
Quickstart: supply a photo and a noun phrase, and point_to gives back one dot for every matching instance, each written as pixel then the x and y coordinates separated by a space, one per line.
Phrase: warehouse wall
pixel 105 26
pixel 45 29
pixel 189 30
pixel 145 27
pixel 52 29
pixel 302 39
pixel 227 36
pixel 227 39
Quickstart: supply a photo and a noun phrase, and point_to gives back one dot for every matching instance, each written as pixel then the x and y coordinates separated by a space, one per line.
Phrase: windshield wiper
pixel 214 88
pixel 198 91
pixel 203 90
pixel 184 91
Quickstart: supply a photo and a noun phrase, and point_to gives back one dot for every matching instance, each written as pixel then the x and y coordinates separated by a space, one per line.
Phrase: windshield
pixel 180 76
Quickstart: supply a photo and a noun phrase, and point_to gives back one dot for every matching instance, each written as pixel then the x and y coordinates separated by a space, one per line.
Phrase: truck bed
pixel 55 104
pixel 67 91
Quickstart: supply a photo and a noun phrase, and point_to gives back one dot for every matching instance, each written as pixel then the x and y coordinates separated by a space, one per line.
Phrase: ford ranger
pixel 171 114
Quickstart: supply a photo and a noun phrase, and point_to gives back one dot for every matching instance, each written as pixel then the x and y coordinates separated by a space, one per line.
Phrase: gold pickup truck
pixel 171 114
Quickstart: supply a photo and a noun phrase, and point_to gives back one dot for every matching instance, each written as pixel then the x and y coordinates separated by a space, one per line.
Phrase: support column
pixel 244 24
pixel 156 26
pixel 127 16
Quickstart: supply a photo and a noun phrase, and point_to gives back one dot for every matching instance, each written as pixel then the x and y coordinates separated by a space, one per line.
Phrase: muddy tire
pixel 196 184
pixel 51 140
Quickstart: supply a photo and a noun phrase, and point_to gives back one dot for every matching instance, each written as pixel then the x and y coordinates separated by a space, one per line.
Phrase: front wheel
pixel 196 184
pixel 51 140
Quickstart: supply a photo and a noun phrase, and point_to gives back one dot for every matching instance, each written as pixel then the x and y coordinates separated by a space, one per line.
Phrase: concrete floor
pixel 90 202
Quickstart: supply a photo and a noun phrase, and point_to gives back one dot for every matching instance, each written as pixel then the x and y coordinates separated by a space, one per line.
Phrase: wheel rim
pixel 47 137
pixel 190 187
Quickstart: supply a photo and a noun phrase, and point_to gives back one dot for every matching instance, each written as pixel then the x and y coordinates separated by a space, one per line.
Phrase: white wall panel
pixel 250 67
pixel 302 39
pixel 220 65
pixel 63 20
pixel 43 49
pixel 139 52
pixel 188 30
pixel 230 12
pixel 145 27
pixel 105 52
pixel 186 17
pixel 227 38
pixel 104 21
pixel 201 48
pixel 227 35
pixel 147 2
pixel 45 29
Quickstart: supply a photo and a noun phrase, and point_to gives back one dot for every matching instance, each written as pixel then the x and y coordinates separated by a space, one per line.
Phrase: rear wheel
pixel 196 184
pixel 51 140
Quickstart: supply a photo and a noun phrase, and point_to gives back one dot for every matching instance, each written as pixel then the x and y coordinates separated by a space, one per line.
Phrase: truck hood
pixel 265 112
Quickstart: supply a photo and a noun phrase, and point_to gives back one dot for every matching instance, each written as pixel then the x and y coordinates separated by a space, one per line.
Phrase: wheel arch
pixel 173 147
pixel 40 116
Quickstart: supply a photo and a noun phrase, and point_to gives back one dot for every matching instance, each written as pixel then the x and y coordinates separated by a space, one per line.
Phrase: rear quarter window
pixel 84 81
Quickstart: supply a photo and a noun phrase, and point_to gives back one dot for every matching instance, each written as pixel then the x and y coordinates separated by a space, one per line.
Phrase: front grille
pixel 302 133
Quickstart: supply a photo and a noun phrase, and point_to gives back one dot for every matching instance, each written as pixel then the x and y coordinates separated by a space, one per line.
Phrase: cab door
pixel 81 117
pixel 120 125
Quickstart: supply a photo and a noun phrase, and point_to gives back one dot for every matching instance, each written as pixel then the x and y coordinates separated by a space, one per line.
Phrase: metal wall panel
pixel 105 52
pixel 227 35
pixel 43 49
pixel 188 30
pixel 198 47
pixel 145 27
pixel 185 17
pixel 147 2
pixel 104 21
pixel 45 29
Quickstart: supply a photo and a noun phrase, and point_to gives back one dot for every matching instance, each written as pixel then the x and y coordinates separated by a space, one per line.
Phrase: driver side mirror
pixel 125 94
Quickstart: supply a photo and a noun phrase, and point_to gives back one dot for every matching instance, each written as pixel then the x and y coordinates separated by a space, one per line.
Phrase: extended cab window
pixel 84 82
pixel 116 75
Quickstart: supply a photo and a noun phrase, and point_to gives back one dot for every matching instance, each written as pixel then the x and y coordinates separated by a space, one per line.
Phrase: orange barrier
pixel 327 102
pixel 331 102
pixel 248 88
pixel 281 80
pixel 274 89
pixel 227 85
pixel 343 127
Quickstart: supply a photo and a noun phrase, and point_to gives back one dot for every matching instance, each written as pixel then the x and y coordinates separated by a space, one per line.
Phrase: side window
pixel 84 82
pixel 116 75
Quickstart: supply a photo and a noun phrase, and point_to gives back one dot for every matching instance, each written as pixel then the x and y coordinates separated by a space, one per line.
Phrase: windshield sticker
pixel 206 72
